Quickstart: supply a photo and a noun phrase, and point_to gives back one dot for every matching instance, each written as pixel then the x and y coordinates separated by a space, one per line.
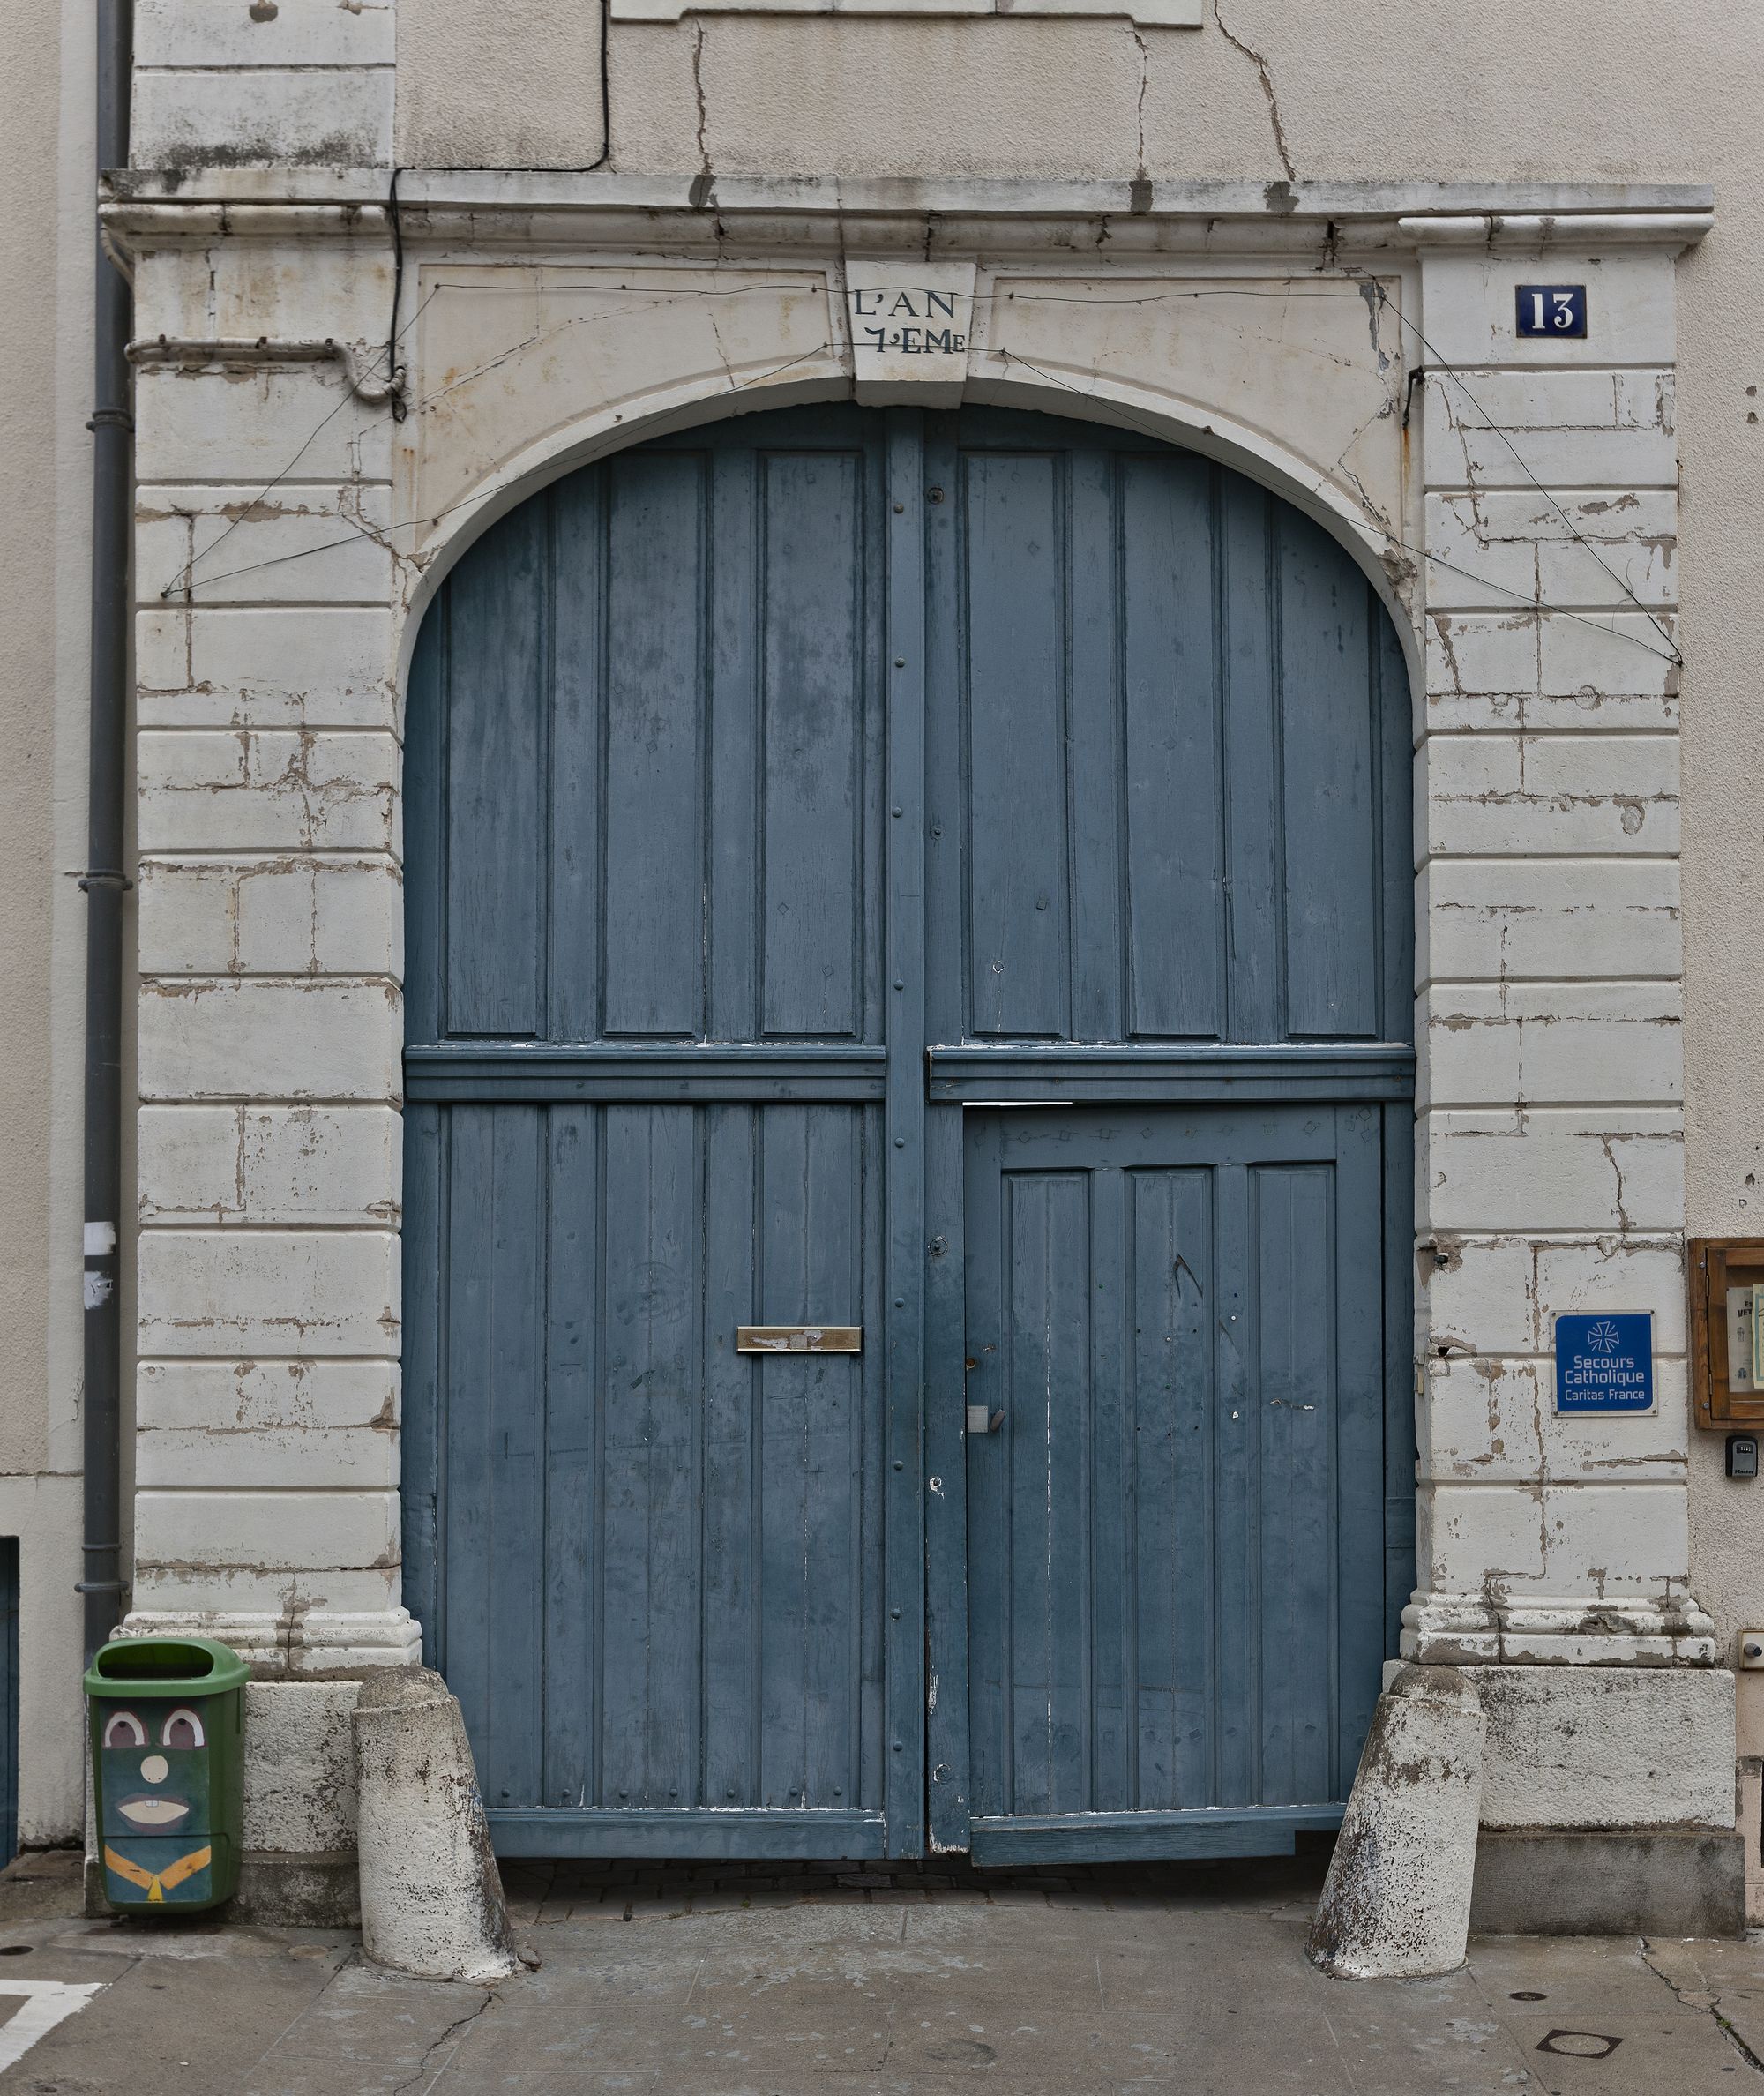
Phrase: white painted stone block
pixel 300 1766
pixel 1592 1170
pixel 1568 429
pixel 1471 319
pixel 1600 1541
pixel 1551 655
pixel 1607 1746
pixel 1492 1419
pixel 262 116
pixel 1555 919
pixel 228 1422
pixel 274 1459
pixel 1550 1043
pixel 268 1532
pixel 1502 796
pixel 266 789
pixel 1614 651
pixel 1552 713
pixel 292 914
pixel 221 422
pixel 263 1291
pixel 342 288
pixel 1502 1295
pixel 310 545
pixel 269 1165
pixel 1573 549
pixel 285 1599
pixel 206 1039
pixel 203 33
pixel 263 668
pixel 258 1395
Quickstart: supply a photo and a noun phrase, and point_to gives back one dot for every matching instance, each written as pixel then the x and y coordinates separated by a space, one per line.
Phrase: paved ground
pixel 722 1982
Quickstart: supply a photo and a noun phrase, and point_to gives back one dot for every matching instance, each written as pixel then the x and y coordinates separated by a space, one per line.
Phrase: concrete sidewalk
pixel 723 1981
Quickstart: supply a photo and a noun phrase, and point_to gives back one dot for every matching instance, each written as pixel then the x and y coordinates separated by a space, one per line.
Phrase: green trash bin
pixel 167 1718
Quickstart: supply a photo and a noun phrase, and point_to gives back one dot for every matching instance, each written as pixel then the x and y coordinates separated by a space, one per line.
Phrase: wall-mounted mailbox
pixel 795 1339
pixel 1727 1389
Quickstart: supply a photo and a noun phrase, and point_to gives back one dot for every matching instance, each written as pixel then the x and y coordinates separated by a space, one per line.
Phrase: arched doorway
pixel 938 886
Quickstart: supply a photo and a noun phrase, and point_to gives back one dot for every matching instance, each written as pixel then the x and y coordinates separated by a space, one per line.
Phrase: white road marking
pixel 46 2003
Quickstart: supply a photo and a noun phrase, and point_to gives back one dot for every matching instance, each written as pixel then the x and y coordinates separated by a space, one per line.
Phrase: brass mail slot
pixel 786 1339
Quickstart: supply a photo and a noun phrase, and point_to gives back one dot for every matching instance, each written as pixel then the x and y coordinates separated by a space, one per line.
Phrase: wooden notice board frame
pixel 1717 1264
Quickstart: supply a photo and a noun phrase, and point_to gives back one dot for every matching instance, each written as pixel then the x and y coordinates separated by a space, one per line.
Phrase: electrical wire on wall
pixel 394 211
pixel 186 581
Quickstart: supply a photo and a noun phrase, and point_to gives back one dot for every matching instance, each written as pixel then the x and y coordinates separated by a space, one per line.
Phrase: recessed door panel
pixel 1174 1511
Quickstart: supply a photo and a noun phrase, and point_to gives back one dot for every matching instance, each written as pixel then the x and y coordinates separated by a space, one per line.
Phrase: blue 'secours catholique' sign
pixel 1604 1362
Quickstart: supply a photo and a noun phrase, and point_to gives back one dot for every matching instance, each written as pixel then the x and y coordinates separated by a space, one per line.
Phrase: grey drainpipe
pixel 104 881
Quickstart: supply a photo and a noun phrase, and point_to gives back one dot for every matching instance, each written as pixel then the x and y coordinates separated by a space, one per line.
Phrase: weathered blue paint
pixel 1175 1552
pixel 743 768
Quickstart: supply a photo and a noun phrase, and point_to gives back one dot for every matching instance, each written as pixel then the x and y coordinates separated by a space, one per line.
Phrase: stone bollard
pixel 431 1895
pixel 1396 1903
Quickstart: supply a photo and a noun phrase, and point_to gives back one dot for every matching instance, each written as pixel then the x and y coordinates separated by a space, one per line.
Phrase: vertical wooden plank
pixel 1395 830
pixel 651 1228
pixel 731 1465
pixel 653 809
pixel 1170 1376
pixel 495 768
pixel 1237 1518
pixel 1174 864
pixel 468 1539
pixel 1294 1254
pixel 1250 670
pixel 814 1545
pixel 513 1720
pixel 1047 1420
pixel 569 1537
pixel 1108 1509
pixel 904 972
pixel 946 1510
pixel 947 841
pixel 1356 1519
pixel 426 888
pixel 576 677
pixel 946 1441
pixel 812 711
pixel 837 1551
pixel 1097 783
pixel 1398 1271
pixel 1329 786
pixel 990 1529
pixel 1019 897
pixel 736 747
pixel 878 1625
pixel 787 1396
pixel 422 1379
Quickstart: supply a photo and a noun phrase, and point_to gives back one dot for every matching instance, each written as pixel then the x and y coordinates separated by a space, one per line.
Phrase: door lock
pixel 982 1421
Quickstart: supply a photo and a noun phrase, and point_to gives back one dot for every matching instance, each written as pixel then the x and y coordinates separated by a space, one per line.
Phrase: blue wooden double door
pixel 925 897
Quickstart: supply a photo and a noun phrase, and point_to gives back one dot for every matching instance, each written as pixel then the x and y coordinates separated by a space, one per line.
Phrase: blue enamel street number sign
pixel 1604 1362
pixel 1558 310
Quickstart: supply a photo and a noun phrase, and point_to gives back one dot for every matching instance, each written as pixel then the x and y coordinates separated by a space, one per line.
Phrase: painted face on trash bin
pixel 154 1778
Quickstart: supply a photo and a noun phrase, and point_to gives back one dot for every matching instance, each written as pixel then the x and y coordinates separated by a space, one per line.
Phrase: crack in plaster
pixel 1266 79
